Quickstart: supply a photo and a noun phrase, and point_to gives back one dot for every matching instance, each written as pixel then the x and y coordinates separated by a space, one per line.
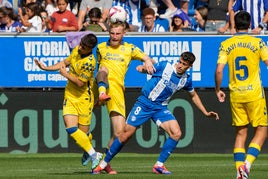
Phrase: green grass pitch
pixel 128 165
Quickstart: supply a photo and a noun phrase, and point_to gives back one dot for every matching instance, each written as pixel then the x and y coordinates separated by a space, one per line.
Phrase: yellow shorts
pixel 79 107
pixel 254 113
pixel 117 102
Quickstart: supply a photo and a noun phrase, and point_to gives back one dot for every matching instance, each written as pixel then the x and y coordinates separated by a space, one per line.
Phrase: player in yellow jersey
pixel 78 96
pixel 114 57
pixel 243 54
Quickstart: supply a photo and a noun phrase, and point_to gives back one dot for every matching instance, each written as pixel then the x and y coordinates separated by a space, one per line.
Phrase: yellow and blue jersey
pixel 83 67
pixel 117 60
pixel 243 54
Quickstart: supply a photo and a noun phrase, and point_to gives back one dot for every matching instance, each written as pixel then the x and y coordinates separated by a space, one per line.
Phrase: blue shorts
pixel 140 113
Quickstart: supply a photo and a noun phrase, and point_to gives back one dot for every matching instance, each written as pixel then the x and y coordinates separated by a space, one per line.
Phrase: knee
pixel 176 135
pixel 123 137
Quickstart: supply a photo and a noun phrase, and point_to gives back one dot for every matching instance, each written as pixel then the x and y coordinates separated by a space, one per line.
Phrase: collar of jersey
pixel 241 33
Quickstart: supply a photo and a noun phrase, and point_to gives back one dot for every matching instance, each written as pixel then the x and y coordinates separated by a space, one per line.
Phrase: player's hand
pixel 149 67
pixel 221 96
pixel 63 71
pixel 40 64
pixel 212 114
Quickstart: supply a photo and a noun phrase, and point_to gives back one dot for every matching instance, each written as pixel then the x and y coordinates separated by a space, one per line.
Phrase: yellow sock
pixel 239 156
pixel 82 140
pixel 253 152
pixel 102 89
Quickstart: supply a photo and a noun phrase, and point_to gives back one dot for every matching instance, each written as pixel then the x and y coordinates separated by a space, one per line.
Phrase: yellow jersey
pixel 83 67
pixel 117 60
pixel 243 54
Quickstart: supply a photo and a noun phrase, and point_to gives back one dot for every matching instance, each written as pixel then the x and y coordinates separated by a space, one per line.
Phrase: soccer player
pixel 243 54
pixel 114 57
pixel 78 96
pixel 152 104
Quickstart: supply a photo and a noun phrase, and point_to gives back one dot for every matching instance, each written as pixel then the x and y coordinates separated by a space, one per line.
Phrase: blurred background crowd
pixel 142 15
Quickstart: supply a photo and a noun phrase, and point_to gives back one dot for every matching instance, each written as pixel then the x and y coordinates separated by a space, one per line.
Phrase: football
pixel 117 13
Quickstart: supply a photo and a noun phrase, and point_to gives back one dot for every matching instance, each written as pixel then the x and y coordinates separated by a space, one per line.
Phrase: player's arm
pixel 197 101
pixel 262 25
pixel 70 77
pixel 218 80
pixel 54 67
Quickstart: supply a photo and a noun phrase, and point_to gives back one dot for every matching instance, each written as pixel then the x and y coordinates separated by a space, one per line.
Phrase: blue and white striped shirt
pixel 164 83
pixel 133 9
pixel 256 8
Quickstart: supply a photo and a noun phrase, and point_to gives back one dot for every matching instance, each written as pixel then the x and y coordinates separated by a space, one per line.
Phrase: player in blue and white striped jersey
pixel 152 104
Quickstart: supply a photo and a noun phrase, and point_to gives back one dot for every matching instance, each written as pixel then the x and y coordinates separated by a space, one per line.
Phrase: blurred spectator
pixel 149 22
pixel 8 20
pixel 201 14
pixel 51 6
pixel 94 24
pixel 5 3
pixel 227 26
pixel 258 11
pixel 63 20
pixel 32 22
pixel 22 6
pixel 171 8
pixel 177 23
pixel 217 11
pixel 86 5
pixel 133 9
pixel 45 20
pixel 180 22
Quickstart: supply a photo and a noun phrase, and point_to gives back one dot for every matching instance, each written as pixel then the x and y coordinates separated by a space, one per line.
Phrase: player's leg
pixel 81 139
pixel 240 121
pixel 117 112
pixel 103 85
pixel 258 114
pixel 173 129
pixel 124 134
pixel 239 151
pixel 115 148
pixel 86 157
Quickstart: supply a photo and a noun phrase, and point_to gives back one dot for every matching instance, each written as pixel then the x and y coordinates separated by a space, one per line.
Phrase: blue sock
pixel 167 149
pixel 114 149
pixel 101 83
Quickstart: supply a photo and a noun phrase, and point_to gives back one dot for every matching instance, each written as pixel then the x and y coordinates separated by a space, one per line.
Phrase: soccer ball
pixel 117 13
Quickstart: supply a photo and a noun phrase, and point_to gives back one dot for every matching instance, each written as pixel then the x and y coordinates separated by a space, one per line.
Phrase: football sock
pixel 239 156
pixel 252 153
pixel 81 139
pixel 167 149
pixel 114 149
pixel 102 86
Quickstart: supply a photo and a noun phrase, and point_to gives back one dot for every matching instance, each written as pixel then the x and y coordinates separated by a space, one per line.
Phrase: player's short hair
pixel 117 24
pixel 242 20
pixel 89 40
pixel 188 56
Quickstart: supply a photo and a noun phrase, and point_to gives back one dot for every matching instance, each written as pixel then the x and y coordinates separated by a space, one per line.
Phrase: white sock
pixel 160 164
pixel 103 164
